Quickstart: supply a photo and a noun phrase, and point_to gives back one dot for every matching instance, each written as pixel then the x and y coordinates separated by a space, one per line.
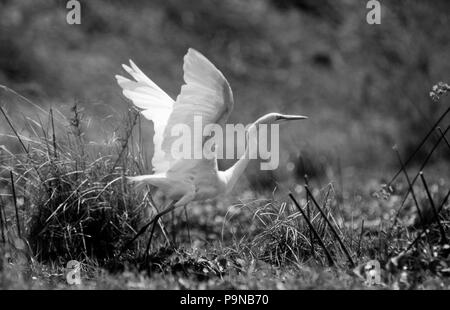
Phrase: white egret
pixel 206 93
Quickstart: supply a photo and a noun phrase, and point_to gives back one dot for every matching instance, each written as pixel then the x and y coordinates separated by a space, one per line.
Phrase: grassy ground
pixel 63 201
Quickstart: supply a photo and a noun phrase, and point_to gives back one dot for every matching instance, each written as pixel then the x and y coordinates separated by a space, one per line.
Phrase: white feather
pixel 206 94
pixel 156 105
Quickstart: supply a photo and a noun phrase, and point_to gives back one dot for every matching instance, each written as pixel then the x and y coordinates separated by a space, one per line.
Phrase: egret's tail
pixel 139 182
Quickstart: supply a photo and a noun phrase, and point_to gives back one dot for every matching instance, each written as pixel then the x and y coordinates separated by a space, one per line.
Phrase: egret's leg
pixel 187 225
pixel 170 208
pixel 157 219
pixel 164 231
pixel 147 249
pixel 144 228
pixel 174 237
pixel 160 223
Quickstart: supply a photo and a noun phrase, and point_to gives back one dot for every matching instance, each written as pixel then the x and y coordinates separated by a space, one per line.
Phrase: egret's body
pixel 200 181
pixel 206 93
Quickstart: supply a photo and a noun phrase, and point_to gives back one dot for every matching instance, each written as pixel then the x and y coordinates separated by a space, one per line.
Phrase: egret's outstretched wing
pixel 156 104
pixel 206 93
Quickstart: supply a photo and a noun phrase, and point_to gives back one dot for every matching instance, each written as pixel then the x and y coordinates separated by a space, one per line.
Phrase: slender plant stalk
pixel 308 212
pixel 423 232
pixel 414 241
pixel 444 201
pixel 22 144
pixel 323 230
pixel 444 137
pixel 424 163
pixel 433 207
pixel 420 145
pixel 2 224
pixel 416 203
pixel 341 178
pixel 327 253
pixel 6 88
pixel 55 154
pixel 308 209
pixel 14 130
pixel 126 139
pixel 333 230
pixel 360 238
pixel 13 188
pixel 410 186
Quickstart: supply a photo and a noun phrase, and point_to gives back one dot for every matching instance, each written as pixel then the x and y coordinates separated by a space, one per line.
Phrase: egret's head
pixel 278 118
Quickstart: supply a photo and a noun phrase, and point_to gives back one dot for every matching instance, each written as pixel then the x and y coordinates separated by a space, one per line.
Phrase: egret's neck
pixel 233 173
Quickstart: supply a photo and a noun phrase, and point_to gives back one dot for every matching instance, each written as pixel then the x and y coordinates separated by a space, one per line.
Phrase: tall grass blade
pixel 2 223
pixel 420 145
pixel 308 212
pixel 55 154
pixel 333 230
pixel 433 207
pixel 422 166
pixel 310 225
pixel 13 189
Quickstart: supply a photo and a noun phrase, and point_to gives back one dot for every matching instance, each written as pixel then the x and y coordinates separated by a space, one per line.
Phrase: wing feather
pixel 157 107
pixel 206 93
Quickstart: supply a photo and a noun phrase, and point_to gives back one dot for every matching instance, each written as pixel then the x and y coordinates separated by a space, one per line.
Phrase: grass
pixel 66 199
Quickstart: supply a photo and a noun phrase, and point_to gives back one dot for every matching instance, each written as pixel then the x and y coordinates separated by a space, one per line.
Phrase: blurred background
pixel 364 87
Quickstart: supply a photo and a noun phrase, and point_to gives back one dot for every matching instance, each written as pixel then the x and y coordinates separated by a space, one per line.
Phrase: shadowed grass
pixel 73 203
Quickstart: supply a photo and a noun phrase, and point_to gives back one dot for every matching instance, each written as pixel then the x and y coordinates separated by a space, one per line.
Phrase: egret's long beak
pixel 292 117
